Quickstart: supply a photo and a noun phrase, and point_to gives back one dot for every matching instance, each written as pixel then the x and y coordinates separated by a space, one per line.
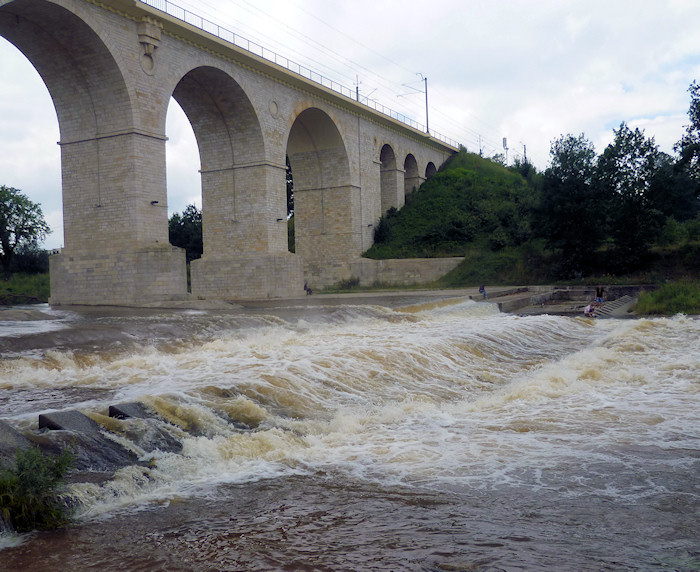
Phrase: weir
pixel 96 449
pixel 113 66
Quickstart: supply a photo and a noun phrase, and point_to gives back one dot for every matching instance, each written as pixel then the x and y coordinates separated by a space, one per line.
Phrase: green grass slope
pixel 470 200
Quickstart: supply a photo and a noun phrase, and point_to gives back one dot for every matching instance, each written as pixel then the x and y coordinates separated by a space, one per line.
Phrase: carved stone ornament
pixel 149 31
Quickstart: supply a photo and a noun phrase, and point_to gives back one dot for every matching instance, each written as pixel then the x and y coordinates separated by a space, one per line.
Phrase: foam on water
pixel 438 397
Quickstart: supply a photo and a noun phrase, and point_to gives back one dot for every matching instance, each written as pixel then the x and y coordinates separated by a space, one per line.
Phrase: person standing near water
pixel 600 294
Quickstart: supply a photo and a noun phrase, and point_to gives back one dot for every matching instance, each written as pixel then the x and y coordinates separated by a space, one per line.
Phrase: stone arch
pixel 92 105
pixel 390 182
pixel 243 194
pixel 326 205
pixel 231 152
pixel 430 170
pixel 411 176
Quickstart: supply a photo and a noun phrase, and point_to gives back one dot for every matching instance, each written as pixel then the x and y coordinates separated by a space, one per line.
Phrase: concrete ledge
pixel 127 410
pixel 69 421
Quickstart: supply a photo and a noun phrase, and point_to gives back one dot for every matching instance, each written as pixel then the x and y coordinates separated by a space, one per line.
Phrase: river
pixel 356 436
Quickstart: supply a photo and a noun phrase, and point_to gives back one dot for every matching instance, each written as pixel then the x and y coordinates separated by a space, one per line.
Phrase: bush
pixel 29 498
pixel 30 261
pixel 672 298
pixel 673 232
pixel 25 289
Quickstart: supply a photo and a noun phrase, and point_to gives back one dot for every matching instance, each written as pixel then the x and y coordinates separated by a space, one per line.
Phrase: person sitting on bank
pixel 589 311
pixel 482 291
pixel 307 289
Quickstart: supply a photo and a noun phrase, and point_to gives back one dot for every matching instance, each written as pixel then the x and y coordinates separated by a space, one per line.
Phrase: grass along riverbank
pixel 682 297
pixel 25 289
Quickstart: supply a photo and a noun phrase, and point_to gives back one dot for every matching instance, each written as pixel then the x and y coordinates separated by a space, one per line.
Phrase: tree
pixel 625 174
pixel 672 190
pixel 689 145
pixel 570 215
pixel 22 224
pixel 185 231
pixel 687 168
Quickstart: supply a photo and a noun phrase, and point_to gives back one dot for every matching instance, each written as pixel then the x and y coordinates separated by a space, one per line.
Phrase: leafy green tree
pixel 290 190
pixel 291 237
pixel 625 173
pixel 185 231
pixel 689 145
pixel 571 213
pixel 22 225
pixel 672 190
pixel 687 168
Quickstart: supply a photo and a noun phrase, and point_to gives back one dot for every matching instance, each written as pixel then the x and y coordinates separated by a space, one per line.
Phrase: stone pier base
pixel 128 278
pixel 247 277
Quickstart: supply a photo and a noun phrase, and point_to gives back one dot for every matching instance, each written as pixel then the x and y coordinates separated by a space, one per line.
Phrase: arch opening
pixel 229 142
pixel 392 194
pixel 30 159
pixel 326 204
pixel 243 199
pixel 110 163
pixel 411 177
pixel 91 101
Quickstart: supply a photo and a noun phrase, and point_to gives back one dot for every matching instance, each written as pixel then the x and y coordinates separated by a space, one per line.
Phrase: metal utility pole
pixel 415 90
pixel 427 129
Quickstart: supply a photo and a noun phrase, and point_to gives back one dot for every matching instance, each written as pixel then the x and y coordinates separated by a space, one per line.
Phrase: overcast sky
pixel 528 71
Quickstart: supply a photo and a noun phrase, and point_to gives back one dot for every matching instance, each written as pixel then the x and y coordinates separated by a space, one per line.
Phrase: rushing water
pixel 436 437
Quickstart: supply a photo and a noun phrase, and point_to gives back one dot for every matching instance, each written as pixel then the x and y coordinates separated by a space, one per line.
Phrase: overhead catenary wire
pixel 473 139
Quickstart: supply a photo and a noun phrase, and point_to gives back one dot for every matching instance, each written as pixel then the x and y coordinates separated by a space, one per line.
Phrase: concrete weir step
pixel 70 420
pixel 616 308
pixel 134 409
pixel 75 430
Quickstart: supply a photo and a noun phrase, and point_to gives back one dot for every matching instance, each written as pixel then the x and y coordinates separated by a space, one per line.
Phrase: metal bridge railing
pixel 255 48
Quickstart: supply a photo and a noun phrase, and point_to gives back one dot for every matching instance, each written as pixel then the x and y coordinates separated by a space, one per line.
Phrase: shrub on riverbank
pixel 25 289
pixel 29 491
pixel 672 298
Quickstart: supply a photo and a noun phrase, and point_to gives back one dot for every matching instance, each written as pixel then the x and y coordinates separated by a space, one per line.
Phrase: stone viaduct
pixel 111 68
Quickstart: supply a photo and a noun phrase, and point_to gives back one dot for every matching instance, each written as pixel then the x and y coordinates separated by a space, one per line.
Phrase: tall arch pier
pixel 112 67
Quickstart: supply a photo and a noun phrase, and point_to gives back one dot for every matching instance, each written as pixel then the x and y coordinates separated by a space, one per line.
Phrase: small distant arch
pixel 388 179
pixel 430 170
pixel 411 176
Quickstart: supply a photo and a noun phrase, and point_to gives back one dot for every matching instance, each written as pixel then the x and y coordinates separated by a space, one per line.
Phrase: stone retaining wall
pixel 402 272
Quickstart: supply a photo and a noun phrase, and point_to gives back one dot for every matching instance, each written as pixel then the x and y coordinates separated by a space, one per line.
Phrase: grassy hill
pixel 471 200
